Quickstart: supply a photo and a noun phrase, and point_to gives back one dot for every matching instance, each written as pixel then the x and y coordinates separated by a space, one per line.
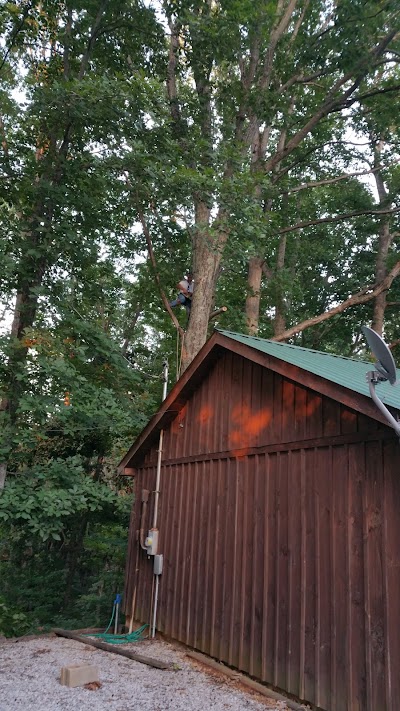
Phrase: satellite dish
pixel 385 364
pixel 385 370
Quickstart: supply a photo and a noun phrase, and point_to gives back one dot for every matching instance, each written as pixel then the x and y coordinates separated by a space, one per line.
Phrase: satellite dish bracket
pixel 373 377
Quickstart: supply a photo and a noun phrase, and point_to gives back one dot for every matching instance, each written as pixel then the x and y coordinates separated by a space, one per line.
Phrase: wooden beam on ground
pixel 114 649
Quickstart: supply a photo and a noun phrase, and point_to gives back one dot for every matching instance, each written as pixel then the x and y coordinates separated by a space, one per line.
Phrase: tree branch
pixel 16 33
pixel 4 144
pixel 362 297
pixel 171 76
pixel 156 274
pixel 332 102
pixel 337 218
pixel 368 94
pixel 93 35
pixel 330 181
pixel 276 35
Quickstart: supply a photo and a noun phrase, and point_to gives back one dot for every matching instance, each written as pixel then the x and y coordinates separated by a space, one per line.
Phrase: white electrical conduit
pixel 156 497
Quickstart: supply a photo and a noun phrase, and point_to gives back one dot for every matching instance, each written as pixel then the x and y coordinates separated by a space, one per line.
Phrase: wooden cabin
pixel 278 520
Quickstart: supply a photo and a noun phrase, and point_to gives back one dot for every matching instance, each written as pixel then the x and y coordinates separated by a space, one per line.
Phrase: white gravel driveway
pixel 30 680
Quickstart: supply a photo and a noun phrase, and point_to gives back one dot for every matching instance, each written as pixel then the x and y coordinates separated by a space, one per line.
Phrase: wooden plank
pixel 294 588
pixel 269 607
pixel 324 481
pixel 282 609
pixel 356 595
pixel 257 537
pixel 200 558
pixel 300 413
pixel 244 588
pixel 115 649
pixel 339 597
pixel 288 410
pixel 177 556
pixel 210 481
pixel 373 552
pixel 184 561
pixel 266 668
pixel 391 501
pixel 310 610
pixel 217 587
pixel 348 420
pixel 314 423
pixel 303 573
pixel 228 570
pixel 167 544
pixel 277 429
pixel 331 417
pixel 189 581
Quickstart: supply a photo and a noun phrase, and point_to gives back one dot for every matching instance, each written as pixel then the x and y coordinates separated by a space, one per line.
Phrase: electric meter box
pixel 151 542
pixel 158 564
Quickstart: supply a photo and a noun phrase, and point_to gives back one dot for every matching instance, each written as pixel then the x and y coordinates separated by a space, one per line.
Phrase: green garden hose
pixel 110 638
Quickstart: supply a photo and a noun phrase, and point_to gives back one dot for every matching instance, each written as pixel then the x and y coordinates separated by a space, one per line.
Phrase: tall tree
pixel 257 113
pixel 79 66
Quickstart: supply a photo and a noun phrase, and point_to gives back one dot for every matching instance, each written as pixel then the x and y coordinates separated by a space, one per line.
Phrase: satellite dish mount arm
pixel 373 377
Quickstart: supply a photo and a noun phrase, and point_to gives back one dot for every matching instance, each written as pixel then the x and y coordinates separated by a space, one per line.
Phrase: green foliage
pixel 13 622
pixel 40 501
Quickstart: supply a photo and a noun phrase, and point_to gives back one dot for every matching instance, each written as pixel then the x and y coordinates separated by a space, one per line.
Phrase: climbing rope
pixel 181 356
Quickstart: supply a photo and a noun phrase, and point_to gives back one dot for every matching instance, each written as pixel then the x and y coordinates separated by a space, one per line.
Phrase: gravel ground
pixel 30 680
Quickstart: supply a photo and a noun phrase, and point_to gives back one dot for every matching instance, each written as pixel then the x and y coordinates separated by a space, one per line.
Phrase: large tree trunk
pixel 280 308
pixel 207 253
pixel 31 272
pixel 385 240
pixel 384 243
pixel 253 297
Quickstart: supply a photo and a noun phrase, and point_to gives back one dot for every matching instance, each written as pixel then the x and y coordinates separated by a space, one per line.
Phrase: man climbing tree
pixel 184 298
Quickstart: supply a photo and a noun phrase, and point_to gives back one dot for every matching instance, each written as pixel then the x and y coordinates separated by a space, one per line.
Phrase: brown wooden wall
pixel 284 561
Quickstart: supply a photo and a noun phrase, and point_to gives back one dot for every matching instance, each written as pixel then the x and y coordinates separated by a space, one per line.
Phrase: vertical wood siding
pixel 282 563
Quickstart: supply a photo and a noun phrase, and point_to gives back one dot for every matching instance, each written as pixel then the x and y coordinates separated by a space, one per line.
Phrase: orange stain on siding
pixel 205 414
pixel 247 425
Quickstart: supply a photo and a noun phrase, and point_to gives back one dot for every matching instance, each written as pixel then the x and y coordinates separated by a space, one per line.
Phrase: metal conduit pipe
pixel 143 511
pixel 160 446
pixel 157 496
pixel 140 542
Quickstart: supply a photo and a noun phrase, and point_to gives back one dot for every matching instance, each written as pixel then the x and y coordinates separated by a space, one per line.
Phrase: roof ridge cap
pixel 291 345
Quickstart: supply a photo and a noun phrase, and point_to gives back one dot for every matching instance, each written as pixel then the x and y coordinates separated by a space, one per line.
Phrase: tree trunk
pixel 3 474
pixel 280 308
pixel 207 253
pixel 384 243
pixel 254 295
pixel 381 272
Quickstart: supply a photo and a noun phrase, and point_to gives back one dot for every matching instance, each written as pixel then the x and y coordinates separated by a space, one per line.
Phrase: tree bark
pixel 255 271
pixel 280 309
pixel 207 253
pixel 114 649
pixel 384 242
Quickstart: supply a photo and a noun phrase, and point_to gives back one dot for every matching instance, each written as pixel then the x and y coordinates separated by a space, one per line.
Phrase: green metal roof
pixel 347 372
